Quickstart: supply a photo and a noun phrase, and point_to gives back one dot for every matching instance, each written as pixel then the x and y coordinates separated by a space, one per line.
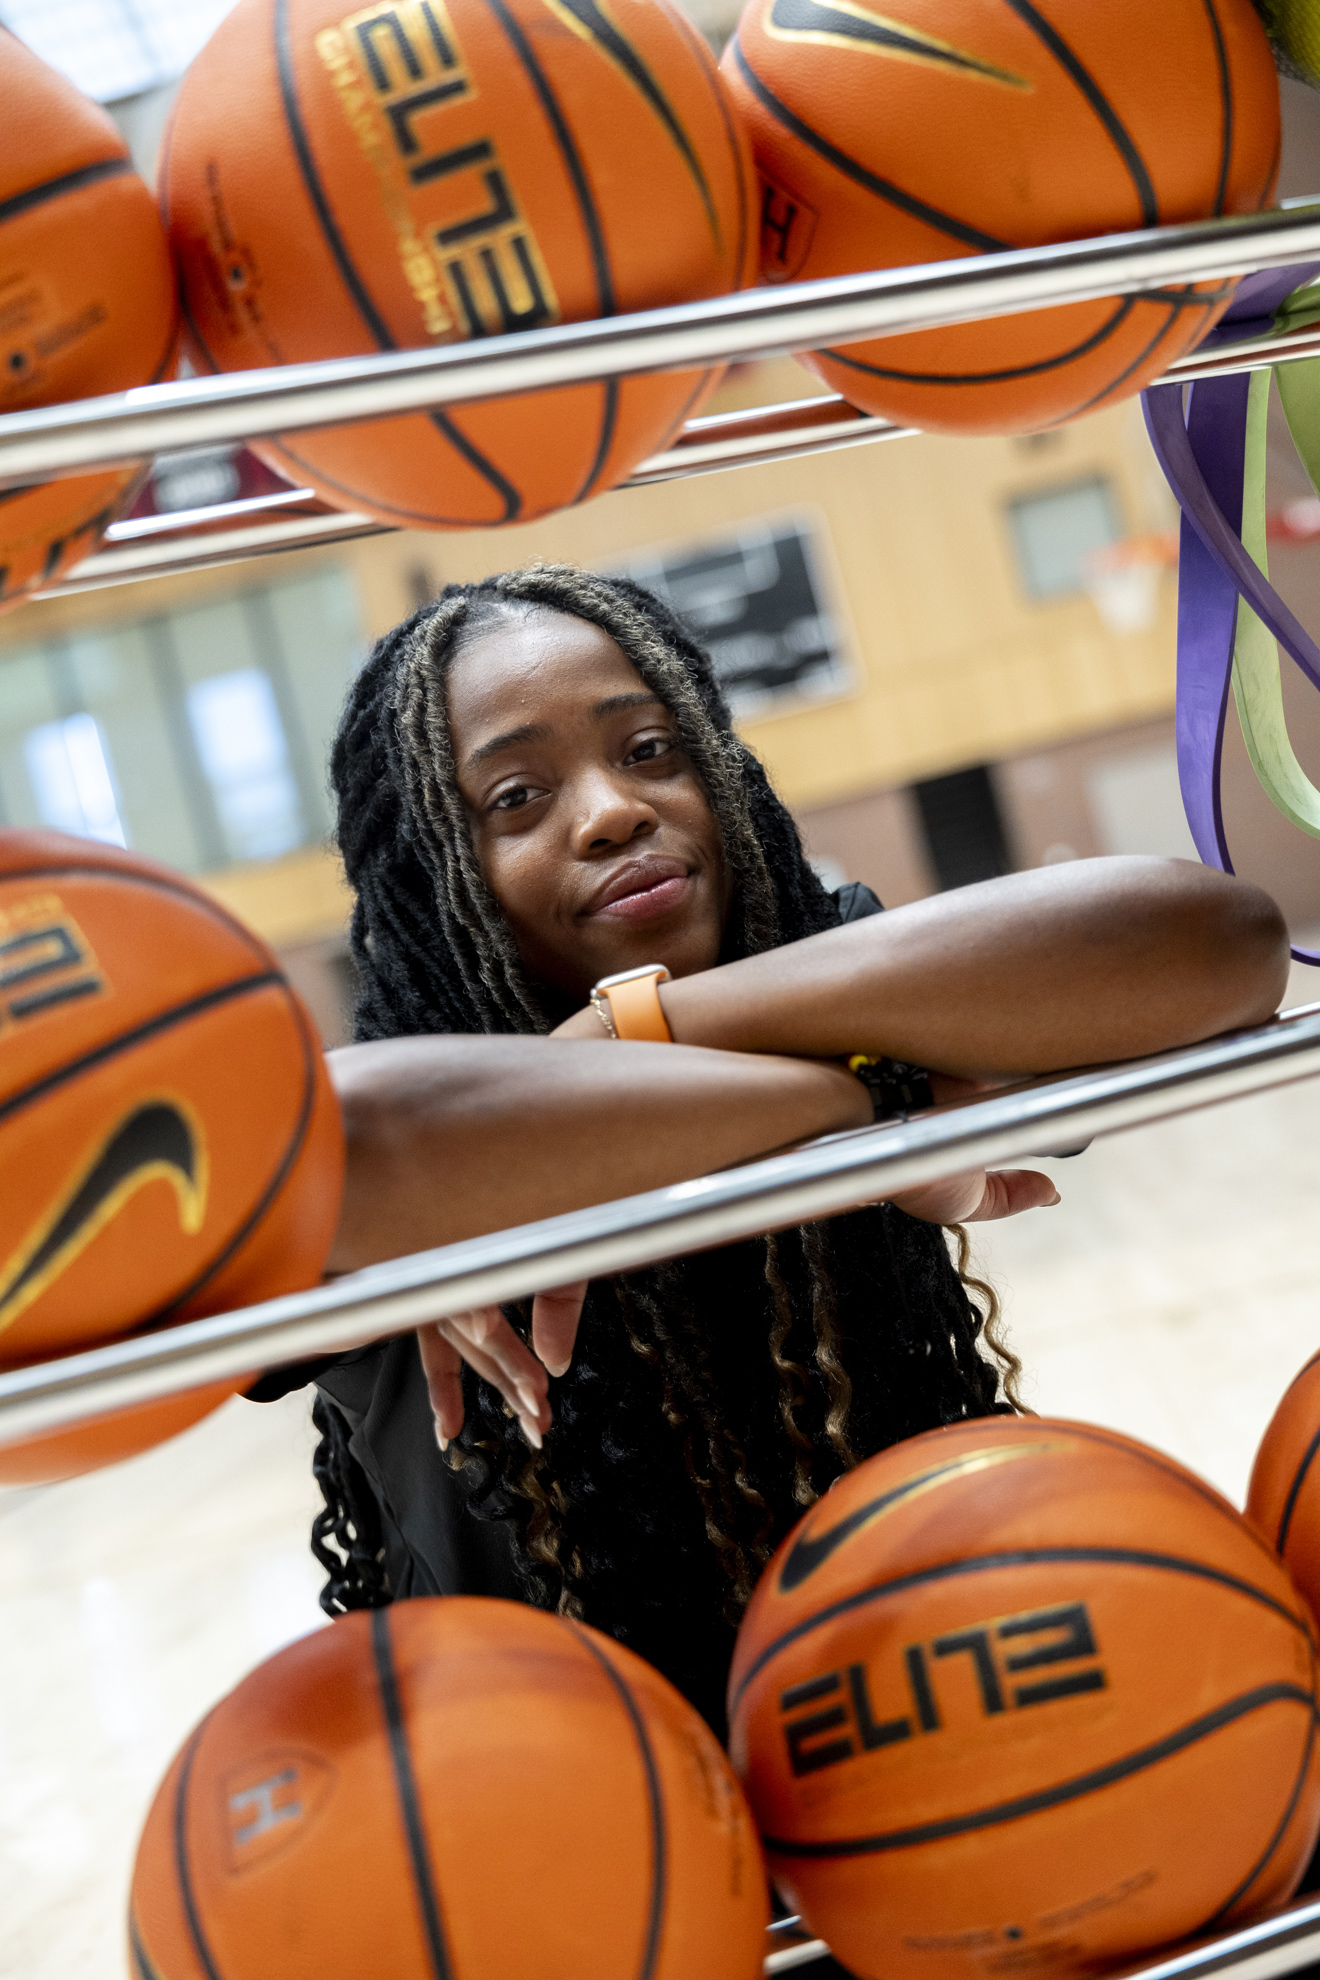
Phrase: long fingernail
pixel 530 1432
pixel 441 1438
pixel 529 1399
pixel 558 1368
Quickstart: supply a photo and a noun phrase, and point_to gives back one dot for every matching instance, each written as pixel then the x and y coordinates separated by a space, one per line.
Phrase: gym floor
pixel 1171 1295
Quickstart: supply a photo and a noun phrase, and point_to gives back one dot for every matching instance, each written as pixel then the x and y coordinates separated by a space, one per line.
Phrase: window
pixel 72 780
pixel 200 736
pixel 115 48
pixel 1056 530
pixel 755 602
pixel 241 745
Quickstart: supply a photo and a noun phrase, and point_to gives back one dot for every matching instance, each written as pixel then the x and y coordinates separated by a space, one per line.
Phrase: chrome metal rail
pixel 296 519
pixel 822 1177
pixel 199 412
pixel 1283 1944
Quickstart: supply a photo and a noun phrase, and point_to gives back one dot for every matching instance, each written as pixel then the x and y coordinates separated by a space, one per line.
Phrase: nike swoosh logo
pixel 842 21
pixel 160 1139
pixel 811 1551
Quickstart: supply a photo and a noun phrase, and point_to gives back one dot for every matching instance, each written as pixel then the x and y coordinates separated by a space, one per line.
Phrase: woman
pixel 539 786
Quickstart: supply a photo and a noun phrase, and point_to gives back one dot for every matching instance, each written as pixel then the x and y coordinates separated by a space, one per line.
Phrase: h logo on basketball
pixel 258 1811
pixel 848 1725
pixel 270 1803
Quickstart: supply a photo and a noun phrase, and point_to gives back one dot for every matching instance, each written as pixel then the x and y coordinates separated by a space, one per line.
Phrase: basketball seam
pixel 608 421
pixel 1083 1784
pixel 655 1797
pixel 1294 1490
pixel 1226 101
pixel 67 182
pixel 606 300
pixel 916 209
pixel 181 1865
pixel 257 1215
pixel 739 174
pixel 126 1040
pixel 508 494
pixel 1081 1433
pixel 312 186
pixel 637 72
pixel 144 1968
pixel 406 1788
pixel 164 883
pixel 1281 1830
pixel 1014 1557
pixel 349 275
pixel 1090 1433
pixel 682 419
pixel 1148 349
pixel 1119 136
pixel 1124 308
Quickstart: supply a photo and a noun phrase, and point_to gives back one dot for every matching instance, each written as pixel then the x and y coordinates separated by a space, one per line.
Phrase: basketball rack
pixel 822 1177
pixel 131 427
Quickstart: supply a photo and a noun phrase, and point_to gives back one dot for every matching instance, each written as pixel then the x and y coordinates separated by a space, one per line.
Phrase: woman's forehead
pixel 531 666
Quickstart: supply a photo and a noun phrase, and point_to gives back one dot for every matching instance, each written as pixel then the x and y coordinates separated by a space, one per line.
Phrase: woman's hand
pixel 484 1339
pixel 975 1197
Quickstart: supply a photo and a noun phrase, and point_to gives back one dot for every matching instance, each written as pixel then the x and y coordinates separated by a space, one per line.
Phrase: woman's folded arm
pixel 1063 966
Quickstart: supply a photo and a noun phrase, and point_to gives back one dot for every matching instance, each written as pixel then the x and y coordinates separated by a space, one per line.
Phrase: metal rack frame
pixel 822 1177
pixel 834 1173
pixel 126 427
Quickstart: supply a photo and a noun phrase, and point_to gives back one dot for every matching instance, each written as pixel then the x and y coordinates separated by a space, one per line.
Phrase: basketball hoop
pixel 1123 580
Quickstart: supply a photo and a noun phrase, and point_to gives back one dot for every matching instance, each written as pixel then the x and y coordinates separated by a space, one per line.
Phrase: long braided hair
pixel 711 1399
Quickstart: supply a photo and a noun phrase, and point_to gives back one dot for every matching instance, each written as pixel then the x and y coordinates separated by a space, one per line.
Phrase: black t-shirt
pixel 662 1591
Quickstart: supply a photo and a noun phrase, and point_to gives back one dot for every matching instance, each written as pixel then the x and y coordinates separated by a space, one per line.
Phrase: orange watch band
pixel 634 1000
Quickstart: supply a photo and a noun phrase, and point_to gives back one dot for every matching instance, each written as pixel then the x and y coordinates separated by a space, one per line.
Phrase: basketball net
pixel 1123 580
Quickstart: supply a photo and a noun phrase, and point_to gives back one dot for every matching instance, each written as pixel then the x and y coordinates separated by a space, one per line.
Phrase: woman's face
pixel 591 826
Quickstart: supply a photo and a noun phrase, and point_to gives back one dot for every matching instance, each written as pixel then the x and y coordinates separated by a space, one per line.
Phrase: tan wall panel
pixel 954 664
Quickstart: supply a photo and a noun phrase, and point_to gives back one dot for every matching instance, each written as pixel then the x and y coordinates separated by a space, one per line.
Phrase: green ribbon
pixel 1257 683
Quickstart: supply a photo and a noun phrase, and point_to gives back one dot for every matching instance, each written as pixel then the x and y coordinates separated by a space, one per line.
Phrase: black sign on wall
pixel 754 600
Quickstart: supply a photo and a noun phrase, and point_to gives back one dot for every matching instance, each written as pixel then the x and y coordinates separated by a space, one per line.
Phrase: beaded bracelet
pixel 896 1089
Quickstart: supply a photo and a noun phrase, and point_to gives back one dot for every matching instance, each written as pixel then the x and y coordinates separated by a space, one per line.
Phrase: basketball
pixel 169 1141
pixel 1024 1694
pixel 476 1789
pixel 86 299
pixel 972 126
pixel 423 173
pixel 1283 1498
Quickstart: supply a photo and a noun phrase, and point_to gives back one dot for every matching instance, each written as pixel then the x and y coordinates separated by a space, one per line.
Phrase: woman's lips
pixel 646 899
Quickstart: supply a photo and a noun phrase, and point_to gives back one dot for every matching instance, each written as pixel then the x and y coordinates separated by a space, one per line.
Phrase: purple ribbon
pixel 1203 455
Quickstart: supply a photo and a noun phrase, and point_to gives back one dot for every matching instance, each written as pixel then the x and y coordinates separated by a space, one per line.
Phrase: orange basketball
pixel 475 1789
pixel 967 126
pixel 169 1142
pixel 86 299
pixel 1023 1695
pixel 425 171
pixel 1283 1499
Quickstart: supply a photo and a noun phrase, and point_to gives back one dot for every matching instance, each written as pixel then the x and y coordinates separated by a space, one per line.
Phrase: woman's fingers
pixel 485 1340
pixel 973 1197
pixel 555 1317
pixel 1010 1191
pixel 442 1366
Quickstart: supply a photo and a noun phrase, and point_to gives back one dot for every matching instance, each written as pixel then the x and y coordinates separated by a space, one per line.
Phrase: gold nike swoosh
pixel 811 1550
pixel 159 1139
pixel 844 24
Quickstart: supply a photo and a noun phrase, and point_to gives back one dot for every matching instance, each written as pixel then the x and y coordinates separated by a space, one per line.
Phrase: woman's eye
pixel 649 749
pixel 514 798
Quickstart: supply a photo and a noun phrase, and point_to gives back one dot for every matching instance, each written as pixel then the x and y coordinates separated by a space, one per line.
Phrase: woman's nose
pixel 608 813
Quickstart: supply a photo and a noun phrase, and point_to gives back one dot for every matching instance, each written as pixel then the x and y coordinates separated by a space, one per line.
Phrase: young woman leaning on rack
pixel 539 787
